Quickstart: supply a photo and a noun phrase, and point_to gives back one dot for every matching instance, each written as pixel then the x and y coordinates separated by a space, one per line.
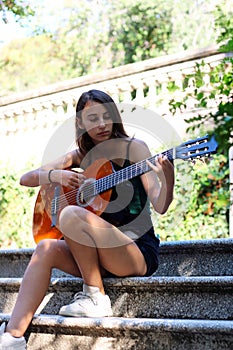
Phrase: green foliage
pixel 142 30
pixel 224 22
pixel 211 201
pixel 96 35
pixel 19 8
pixel 29 63
pixel 81 41
pixel 218 98
pixel 201 203
pixel 16 209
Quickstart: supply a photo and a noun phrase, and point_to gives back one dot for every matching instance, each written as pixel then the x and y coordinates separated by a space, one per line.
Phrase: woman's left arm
pixel 158 183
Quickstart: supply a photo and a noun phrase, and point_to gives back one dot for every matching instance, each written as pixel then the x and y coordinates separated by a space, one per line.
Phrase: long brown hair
pixel 83 140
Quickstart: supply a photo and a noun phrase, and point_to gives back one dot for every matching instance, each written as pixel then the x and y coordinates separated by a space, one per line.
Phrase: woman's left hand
pixel 163 168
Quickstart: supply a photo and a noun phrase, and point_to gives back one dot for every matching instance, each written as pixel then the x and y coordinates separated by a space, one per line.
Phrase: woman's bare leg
pixel 48 254
pixel 95 243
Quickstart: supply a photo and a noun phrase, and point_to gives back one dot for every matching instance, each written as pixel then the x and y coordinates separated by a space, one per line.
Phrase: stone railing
pixel 144 83
pixel 27 119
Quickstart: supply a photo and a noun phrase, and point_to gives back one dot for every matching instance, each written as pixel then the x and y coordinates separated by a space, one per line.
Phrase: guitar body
pixel 42 218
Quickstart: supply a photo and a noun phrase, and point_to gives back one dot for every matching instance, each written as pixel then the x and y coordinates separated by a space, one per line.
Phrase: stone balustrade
pixel 28 119
pixel 144 83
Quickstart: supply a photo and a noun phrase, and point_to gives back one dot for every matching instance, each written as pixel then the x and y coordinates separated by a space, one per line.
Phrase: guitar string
pixel 125 173
pixel 135 171
pixel 101 185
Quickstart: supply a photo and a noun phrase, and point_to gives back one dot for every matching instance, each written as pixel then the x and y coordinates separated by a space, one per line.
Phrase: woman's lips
pixel 103 133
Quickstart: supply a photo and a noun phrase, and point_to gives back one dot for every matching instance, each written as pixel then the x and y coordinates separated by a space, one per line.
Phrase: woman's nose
pixel 102 123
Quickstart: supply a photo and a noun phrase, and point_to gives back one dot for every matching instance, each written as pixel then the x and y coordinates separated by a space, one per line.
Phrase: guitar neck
pixel 131 171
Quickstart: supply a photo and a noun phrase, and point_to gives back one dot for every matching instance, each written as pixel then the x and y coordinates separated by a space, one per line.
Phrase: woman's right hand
pixel 67 178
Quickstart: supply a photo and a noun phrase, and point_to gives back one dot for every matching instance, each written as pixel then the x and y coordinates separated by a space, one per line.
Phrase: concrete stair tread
pixel 138 282
pixel 148 297
pixel 53 332
pixel 212 284
pixel 183 258
pixel 219 244
pixel 75 324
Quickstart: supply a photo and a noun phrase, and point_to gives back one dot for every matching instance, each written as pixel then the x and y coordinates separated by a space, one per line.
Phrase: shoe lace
pixel 83 296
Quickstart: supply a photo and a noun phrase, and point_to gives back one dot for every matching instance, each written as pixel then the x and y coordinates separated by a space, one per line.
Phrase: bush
pixel 201 203
pixel 208 212
pixel 16 209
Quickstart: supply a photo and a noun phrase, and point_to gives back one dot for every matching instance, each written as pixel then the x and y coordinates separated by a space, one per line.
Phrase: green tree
pixel 81 41
pixel 16 210
pixel 213 195
pixel 38 69
pixel 141 30
pixel 19 8
pixel 99 34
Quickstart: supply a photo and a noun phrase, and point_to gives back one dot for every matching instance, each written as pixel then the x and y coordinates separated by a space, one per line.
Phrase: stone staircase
pixel 186 305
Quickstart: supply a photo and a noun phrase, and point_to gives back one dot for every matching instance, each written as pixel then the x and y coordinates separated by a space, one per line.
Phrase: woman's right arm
pixel 55 172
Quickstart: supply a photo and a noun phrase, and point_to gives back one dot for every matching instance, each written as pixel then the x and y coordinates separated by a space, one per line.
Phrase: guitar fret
pixel 120 176
pixel 127 173
pixel 139 168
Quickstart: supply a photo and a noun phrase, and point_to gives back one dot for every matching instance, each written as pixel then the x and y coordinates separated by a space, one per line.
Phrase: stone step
pixel 196 258
pixel 114 333
pixel 151 297
pixel 183 258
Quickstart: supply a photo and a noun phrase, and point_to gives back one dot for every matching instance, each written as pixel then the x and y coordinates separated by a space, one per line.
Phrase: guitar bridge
pixel 55 206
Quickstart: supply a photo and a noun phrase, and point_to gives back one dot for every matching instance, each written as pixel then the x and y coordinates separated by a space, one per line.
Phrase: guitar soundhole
pixel 86 193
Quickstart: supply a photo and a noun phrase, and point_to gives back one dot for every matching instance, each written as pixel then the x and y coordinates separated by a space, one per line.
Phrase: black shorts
pixel 149 246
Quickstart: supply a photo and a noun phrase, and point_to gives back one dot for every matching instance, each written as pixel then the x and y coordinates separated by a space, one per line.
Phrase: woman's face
pixel 96 120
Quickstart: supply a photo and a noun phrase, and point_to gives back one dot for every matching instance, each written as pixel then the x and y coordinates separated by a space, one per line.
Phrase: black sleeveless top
pixel 129 207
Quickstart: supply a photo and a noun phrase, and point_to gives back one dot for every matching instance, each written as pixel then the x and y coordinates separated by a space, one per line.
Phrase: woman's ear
pixel 80 123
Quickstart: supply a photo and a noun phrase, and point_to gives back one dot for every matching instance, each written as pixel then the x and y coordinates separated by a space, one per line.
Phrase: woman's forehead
pixel 94 107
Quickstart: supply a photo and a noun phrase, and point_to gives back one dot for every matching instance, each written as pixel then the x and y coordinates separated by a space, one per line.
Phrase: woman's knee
pixel 71 217
pixel 46 250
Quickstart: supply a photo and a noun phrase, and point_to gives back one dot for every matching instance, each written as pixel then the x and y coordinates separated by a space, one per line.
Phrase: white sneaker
pixel 8 342
pixel 89 303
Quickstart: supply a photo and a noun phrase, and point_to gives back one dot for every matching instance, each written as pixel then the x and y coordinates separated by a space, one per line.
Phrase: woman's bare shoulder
pixel 138 150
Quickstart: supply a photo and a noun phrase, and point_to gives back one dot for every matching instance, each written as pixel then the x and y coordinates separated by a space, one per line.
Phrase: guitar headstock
pixel 198 148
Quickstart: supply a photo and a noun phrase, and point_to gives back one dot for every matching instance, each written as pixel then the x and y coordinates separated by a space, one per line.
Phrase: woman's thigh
pixel 126 260
pixel 89 229
pixel 117 252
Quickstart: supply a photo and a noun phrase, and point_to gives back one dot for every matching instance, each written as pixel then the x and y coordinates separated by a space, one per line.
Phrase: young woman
pixel 118 242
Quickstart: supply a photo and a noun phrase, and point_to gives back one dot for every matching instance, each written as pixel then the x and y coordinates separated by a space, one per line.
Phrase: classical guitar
pixel 94 194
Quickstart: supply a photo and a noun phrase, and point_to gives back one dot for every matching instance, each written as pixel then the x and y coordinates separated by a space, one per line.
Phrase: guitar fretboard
pixel 127 173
